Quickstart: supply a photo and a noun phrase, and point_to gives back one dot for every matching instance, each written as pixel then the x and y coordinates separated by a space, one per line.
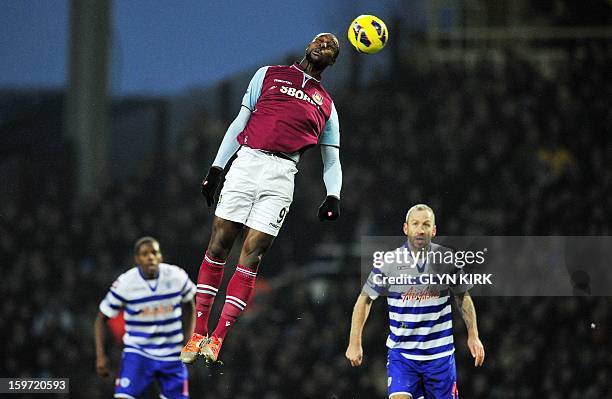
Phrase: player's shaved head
pixel 420 226
pixel 334 38
pixel 421 207
pixel 144 240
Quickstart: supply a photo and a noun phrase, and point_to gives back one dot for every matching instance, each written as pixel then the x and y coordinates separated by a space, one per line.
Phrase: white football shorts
pixel 258 190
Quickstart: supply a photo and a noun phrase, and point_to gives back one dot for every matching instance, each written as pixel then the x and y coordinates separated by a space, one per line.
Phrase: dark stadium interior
pixel 503 142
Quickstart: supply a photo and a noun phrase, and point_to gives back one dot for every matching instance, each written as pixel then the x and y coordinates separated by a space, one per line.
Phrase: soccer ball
pixel 368 34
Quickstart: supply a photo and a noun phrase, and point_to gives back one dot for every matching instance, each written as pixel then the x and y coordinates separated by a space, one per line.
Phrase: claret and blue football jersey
pixel 309 116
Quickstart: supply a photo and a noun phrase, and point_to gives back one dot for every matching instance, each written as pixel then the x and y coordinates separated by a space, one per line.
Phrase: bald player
pixel 421 361
pixel 285 111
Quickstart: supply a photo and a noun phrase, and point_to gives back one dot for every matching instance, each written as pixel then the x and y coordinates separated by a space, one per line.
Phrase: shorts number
pixel 281 215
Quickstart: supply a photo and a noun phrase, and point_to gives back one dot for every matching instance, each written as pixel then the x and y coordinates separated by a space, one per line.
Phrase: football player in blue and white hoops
pixel 421 361
pixel 158 304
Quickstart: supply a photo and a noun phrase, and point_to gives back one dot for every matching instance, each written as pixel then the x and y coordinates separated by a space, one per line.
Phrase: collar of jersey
pixel 420 268
pixel 153 287
pixel 299 67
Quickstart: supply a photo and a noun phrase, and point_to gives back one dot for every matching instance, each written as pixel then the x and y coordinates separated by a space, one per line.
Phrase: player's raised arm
pixel 230 145
pixel 361 310
pixel 468 312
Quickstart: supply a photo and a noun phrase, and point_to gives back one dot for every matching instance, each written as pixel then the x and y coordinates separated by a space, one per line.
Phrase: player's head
pixel 323 50
pixel 147 256
pixel 420 226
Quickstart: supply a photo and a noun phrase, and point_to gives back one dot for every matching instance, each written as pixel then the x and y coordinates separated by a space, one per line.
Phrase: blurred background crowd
pixel 499 141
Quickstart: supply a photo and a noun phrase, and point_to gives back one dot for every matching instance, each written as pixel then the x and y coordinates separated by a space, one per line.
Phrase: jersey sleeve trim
pixel 371 288
pixel 188 291
pixel 110 306
pixel 119 297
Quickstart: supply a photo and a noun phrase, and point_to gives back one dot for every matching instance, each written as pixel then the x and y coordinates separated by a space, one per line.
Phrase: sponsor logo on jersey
pixel 420 294
pixel 283 81
pixel 156 310
pixel 300 94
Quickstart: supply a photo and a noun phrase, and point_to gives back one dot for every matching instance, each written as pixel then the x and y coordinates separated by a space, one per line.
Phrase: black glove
pixel 210 184
pixel 329 209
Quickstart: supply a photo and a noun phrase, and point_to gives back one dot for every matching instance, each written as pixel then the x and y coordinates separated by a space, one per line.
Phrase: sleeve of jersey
pixel 374 285
pixel 332 171
pixel 459 288
pixel 113 302
pixel 188 291
pixel 254 89
pixel 331 131
pixel 230 145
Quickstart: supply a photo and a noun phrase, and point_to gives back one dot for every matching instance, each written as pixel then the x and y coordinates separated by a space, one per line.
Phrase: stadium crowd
pixel 497 146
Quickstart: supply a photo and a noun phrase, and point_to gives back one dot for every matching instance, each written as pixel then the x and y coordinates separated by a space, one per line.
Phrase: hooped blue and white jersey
pixel 420 316
pixel 152 310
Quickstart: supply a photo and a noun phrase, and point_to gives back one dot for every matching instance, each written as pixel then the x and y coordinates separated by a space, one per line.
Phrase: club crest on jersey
pixel 122 382
pixel 317 98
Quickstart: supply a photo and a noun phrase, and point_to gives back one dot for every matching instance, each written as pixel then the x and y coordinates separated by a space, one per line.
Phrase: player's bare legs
pixel 239 289
pixel 255 245
pixel 224 233
pixel 401 396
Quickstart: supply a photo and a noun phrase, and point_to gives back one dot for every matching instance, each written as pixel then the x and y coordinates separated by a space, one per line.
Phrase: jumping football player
pixel 155 298
pixel 421 361
pixel 285 110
